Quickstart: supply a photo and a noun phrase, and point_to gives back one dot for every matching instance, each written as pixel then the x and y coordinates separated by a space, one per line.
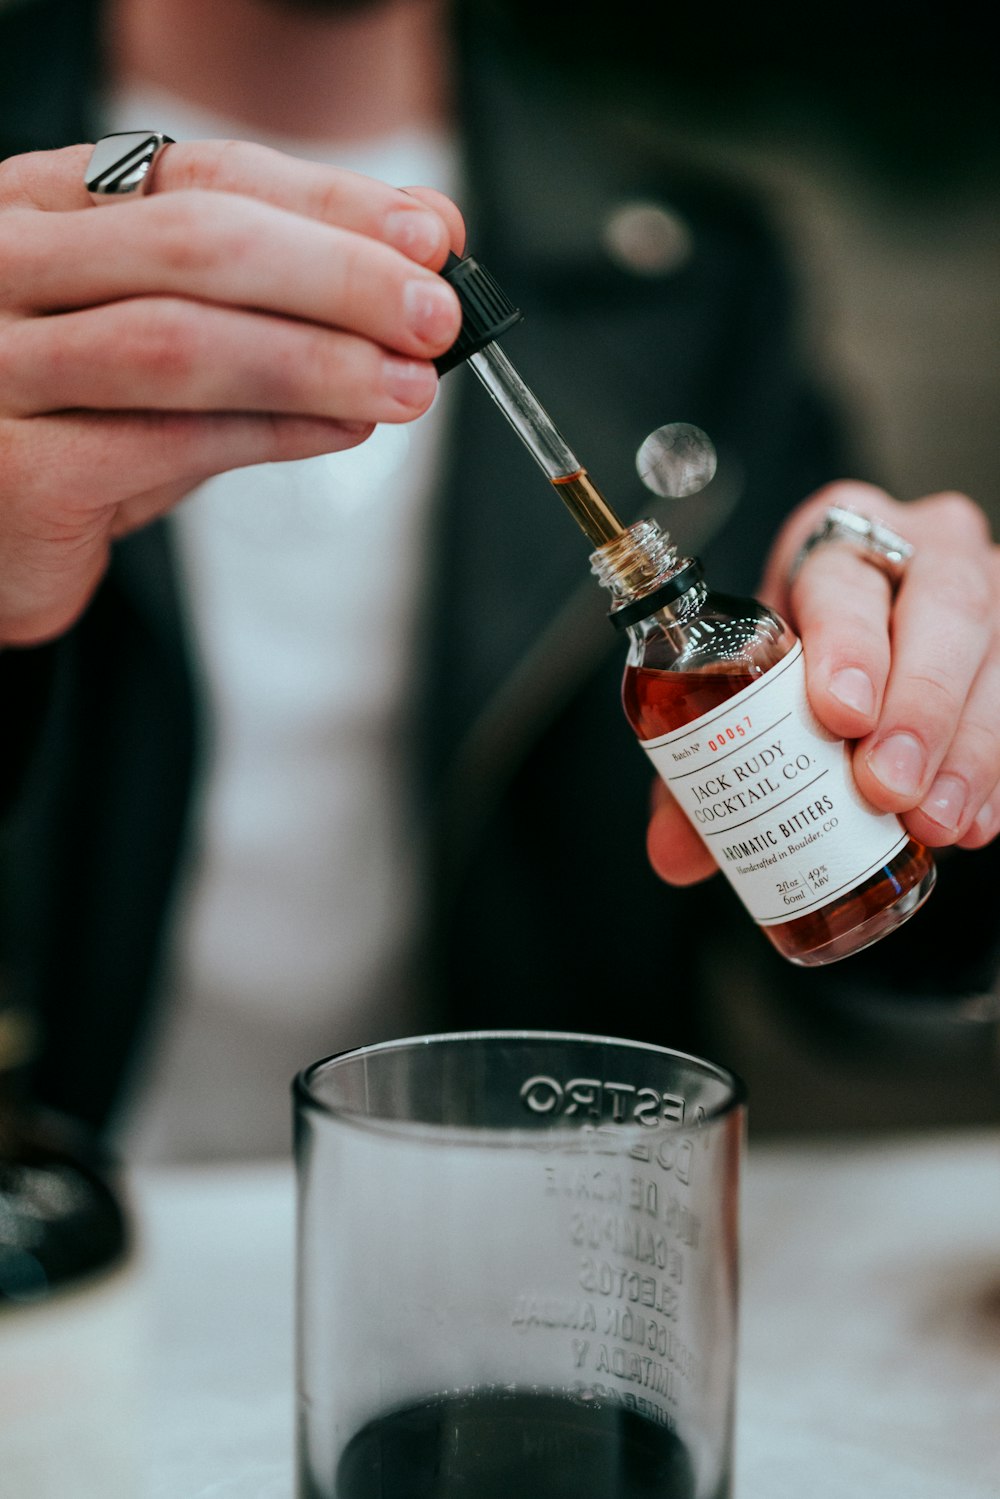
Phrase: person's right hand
pixel 252 307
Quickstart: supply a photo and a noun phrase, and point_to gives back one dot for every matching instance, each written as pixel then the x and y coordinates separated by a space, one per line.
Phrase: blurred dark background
pixel 873 131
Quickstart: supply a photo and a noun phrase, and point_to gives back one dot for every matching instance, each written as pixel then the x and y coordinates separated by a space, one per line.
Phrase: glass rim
pixel 307 1099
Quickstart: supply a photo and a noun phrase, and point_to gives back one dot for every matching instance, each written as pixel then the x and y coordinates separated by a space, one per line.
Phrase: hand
pixel 914 679
pixel 253 307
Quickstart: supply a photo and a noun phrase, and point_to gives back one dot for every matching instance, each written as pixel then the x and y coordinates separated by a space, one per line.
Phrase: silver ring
pixel 874 542
pixel 121 165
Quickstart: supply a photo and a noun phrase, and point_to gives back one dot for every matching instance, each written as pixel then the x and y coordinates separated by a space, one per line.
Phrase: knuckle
pixel 300 371
pixel 166 342
pixel 181 244
pixel 959 517
pixel 326 198
pixel 365 290
pixel 191 243
pixel 14 233
pixel 17 472
pixel 218 164
pixel 969 599
pixel 933 690
pixel 841 594
pixel 330 374
pixel 10 364
pixel 980 748
pixel 325 202
pixel 964 593
pixel 11 177
pixel 227 161
pixel 21 176
pixel 853 621
pixel 351 272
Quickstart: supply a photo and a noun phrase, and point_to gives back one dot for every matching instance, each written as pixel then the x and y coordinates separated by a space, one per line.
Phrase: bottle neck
pixel 643 572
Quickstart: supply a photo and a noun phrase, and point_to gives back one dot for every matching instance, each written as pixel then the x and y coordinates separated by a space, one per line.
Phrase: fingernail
pixel 417 233
pixel 412 381
pixel 431 309
pixel 898 762
pixel 854 688
pixel 945 802
pixel 984 820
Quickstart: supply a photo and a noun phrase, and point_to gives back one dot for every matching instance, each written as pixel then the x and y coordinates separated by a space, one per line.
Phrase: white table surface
pixel 870 1359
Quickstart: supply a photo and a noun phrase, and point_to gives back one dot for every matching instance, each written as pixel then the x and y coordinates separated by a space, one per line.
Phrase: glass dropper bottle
pixel 714 689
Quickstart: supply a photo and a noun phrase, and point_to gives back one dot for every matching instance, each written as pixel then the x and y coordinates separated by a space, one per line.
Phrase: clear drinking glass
pixel 517 1270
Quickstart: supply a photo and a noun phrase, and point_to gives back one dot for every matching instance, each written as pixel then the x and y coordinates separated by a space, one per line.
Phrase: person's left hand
pixel 913 677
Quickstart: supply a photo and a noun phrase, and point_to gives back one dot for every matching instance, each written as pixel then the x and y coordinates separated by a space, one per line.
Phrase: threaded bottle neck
pixel 638 560
pixel 642 570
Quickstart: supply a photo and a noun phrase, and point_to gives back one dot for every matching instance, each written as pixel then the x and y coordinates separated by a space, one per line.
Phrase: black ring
pixel 674 586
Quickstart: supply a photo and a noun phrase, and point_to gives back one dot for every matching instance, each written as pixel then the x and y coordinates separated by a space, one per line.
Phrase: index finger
pixel 676 852
pixel 423 226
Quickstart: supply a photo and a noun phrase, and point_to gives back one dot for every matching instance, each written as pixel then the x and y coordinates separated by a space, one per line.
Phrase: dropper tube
pixel 487 313
pixel 546 444
pixel 525 412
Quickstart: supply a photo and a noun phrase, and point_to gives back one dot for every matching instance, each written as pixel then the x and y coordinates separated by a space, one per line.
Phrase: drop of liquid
pixel 676 460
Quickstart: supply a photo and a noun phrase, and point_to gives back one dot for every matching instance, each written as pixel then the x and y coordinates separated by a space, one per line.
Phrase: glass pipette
pixel 486 314
pixel 546 444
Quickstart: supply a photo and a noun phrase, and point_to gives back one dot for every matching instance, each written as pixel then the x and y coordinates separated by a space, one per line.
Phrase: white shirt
pixel 299 900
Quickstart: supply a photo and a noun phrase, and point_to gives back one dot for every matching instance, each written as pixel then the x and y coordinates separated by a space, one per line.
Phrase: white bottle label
pixel 772 795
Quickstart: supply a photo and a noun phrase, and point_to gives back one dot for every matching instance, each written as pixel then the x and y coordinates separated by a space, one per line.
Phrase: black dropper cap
pixel 487 312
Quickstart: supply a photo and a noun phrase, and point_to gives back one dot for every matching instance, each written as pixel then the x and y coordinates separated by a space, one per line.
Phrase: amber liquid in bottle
pixel 657 701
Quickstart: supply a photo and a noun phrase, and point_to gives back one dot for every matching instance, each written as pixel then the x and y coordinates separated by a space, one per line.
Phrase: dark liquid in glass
pixel 510 1444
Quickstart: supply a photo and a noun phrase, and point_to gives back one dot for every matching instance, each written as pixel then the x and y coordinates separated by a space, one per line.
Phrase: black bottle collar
pixel 678 583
